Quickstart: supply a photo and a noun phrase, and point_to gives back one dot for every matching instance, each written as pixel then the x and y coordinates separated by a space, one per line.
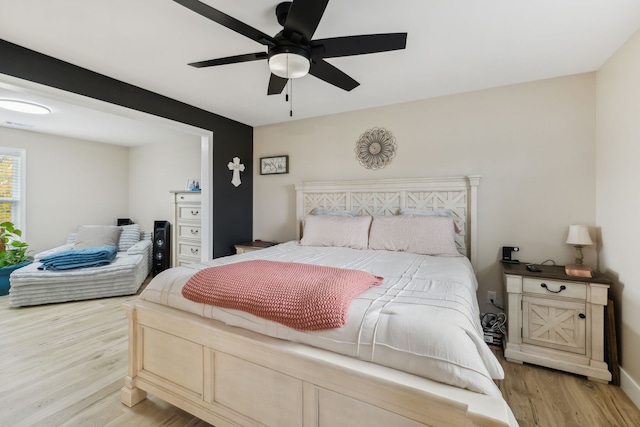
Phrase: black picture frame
pixel 273 165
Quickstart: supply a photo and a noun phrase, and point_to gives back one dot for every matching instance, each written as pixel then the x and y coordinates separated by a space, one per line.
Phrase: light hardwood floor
pixel 64 364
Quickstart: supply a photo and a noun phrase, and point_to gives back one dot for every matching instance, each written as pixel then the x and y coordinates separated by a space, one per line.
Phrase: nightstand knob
pixel 562 288
pixel 582 316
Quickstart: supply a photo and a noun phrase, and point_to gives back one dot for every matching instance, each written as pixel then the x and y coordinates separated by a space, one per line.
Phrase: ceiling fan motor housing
pixel 282 10
pixel 290 58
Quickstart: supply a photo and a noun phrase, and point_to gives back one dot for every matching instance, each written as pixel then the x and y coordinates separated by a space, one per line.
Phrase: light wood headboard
pixel 385 197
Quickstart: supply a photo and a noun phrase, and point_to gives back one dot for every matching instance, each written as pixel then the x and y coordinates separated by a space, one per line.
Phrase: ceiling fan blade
pixel 330 74
pixel 358 45
pixel 304 16
pixel 276 85
pixel 228 21
pixel 230 60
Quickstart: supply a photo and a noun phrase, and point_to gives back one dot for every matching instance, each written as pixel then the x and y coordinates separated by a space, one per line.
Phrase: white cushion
pixel 130 236
pixel 329 230
pixel 323 211
pixel 426 235
pixel 438 212
pixel 93 236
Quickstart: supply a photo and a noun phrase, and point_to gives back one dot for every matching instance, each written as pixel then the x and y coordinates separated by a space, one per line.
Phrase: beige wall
pixel 533 144
pixel 155 170
pixel 618 204
pixel 72 182
pixel 69 182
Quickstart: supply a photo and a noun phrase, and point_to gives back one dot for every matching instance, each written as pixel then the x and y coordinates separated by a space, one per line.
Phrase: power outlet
pixel 491 297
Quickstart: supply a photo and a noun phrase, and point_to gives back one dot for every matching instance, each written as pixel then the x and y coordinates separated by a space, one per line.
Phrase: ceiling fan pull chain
pixel 291 98
pixel 286 98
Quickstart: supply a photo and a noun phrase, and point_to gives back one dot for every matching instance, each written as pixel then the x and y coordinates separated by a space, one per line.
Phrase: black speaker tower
pixel 161 246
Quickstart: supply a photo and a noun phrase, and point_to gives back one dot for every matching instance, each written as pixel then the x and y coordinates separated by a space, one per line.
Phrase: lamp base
pixel 578 255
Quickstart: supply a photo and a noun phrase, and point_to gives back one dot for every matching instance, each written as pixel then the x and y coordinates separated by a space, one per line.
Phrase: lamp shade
pixel 579 235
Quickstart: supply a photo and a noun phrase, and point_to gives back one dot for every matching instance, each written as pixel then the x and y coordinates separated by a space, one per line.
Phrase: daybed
pixel 410 354
pixel 123 276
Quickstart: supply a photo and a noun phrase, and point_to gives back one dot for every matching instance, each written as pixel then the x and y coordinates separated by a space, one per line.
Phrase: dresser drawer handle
pixel 194 251
pixel 582 316
pixel 194 232
pixel 562 288
pixel 194 213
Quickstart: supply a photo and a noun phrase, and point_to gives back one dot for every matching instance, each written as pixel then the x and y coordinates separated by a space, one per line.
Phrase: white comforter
pixel 423 319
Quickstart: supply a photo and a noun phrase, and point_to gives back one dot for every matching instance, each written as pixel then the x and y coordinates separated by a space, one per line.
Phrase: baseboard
pixel 630 387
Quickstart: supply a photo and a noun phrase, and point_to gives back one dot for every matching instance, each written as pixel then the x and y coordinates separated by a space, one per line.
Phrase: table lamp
pixel 579 237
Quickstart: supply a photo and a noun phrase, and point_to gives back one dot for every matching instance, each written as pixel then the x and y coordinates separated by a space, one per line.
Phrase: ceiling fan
pixel 292 53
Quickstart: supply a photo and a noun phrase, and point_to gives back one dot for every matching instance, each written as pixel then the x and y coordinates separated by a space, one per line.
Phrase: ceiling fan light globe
pixel 289 65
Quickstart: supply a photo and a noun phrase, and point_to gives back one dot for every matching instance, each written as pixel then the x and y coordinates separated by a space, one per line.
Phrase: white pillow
pixel 130 236
pixel 329 230
pixel 414 211
pixel 93 236
pixel 438 212
pixel 427 235
pixel 334 212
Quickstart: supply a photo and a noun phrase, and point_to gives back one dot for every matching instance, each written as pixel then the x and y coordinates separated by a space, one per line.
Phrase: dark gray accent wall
pixel 232 214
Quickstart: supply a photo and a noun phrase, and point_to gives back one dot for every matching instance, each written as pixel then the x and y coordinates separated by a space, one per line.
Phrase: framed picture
pixel 193 184
pixel 274 164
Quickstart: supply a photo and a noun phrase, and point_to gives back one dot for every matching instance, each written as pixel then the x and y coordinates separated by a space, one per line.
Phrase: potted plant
pixel 13 254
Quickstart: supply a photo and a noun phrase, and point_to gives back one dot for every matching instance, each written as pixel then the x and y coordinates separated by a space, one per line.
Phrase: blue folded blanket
pixel 79 258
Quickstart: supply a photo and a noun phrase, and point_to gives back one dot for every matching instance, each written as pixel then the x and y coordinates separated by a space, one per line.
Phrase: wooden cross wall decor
pixel 236 167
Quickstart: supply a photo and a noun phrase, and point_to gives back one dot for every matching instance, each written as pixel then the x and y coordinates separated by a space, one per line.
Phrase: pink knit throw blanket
pixel 301 296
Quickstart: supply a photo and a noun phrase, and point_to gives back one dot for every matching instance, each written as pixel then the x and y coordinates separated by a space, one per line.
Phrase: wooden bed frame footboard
pixel 232 377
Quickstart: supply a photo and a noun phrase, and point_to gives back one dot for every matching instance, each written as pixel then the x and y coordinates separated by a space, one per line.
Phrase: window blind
pixel 11 185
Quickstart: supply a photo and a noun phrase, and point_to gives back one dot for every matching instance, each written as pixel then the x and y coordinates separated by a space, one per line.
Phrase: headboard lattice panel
pixel 386 197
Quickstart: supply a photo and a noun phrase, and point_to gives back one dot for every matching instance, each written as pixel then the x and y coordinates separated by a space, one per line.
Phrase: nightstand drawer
pixel 554 288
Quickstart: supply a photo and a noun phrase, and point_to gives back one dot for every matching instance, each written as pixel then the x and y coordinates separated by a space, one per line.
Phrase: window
pixel 12 179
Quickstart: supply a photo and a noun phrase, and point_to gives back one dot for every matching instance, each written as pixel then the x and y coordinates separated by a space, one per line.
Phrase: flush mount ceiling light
pixel 23 106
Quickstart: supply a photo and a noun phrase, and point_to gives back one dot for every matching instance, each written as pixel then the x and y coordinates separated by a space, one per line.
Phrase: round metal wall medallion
pixel 375 148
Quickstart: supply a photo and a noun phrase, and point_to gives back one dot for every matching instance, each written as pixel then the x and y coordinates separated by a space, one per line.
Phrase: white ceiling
pixel 453 46
pixel 78 117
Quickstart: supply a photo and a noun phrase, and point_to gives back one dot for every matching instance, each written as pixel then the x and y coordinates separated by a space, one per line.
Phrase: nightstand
pixel 555 320
pixel 252 246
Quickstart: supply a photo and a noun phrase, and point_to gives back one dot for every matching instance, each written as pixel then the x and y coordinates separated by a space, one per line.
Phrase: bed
pixel 232 368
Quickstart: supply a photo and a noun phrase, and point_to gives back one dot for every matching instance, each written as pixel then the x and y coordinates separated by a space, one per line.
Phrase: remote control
pixel 533 268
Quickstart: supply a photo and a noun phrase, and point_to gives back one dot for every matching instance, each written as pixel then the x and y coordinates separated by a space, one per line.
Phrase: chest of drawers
pixel 187 228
